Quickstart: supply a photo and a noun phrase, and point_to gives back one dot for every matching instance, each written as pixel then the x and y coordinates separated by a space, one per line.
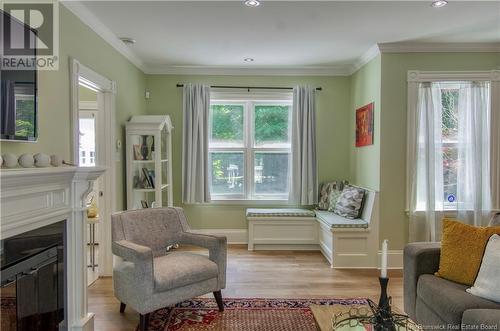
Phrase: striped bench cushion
pixel 284 212
pixel 336 221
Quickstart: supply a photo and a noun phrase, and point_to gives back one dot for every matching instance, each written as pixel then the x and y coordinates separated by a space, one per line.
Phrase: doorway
pixel 93 127
pixel 89 138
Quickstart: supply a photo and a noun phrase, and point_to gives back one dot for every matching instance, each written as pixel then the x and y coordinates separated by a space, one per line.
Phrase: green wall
pixel 393 219
pixel 78 41
pixel 365 161
pixel 333 134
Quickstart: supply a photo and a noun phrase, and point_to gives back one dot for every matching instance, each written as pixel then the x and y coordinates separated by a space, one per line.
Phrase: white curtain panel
pixel 304 181
pixel 426 204
pixel 196 105
pixel 495 146
pixel 474 163
pixel 473 180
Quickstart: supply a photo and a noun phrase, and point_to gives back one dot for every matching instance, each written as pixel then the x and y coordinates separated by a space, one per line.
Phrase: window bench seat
pixel 345 243
pixel 282 229
pixel 335 221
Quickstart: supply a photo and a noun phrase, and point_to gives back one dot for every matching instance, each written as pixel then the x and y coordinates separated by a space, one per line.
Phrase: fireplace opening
pixel 32 280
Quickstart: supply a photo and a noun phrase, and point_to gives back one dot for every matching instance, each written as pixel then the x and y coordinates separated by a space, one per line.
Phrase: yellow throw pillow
pixel 462 249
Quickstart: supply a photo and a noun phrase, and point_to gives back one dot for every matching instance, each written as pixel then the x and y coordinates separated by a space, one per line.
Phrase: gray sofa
pixel 149 276
pixel 436 303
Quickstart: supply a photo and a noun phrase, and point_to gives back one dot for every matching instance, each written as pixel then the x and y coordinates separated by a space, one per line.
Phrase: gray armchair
pixel 149 277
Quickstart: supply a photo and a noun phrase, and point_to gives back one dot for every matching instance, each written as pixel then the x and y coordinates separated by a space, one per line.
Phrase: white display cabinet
pixel 149 162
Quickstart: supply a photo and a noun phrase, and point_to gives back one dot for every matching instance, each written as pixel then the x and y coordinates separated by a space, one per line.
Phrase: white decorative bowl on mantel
pixel 26 160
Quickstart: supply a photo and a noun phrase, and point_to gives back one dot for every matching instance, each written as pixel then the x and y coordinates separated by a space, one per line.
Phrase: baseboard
pixel 234 236
pixel 394 259
pixel 285 247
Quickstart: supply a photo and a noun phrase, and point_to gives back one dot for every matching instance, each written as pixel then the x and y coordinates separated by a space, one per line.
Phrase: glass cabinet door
pixel 143 170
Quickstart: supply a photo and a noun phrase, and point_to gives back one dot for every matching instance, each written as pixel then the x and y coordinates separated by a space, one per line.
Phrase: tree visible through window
pixel 449 103
pixel 249 149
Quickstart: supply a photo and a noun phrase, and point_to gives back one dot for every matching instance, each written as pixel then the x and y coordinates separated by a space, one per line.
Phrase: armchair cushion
pixel 179 269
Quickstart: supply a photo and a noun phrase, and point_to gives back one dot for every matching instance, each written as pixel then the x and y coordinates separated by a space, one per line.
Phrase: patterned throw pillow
pixel 324 193
pixel 350 202
pixel 333 198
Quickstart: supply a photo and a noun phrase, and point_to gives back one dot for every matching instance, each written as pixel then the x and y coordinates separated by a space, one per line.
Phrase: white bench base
pixel 282 233
pixel 348 248
pixel 342 245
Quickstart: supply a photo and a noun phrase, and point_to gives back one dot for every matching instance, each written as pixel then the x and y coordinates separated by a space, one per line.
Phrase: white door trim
pixel 106 101
pixel 88 105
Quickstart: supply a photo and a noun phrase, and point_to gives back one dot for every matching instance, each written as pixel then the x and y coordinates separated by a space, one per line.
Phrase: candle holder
pixel 383 314
pixel 380 316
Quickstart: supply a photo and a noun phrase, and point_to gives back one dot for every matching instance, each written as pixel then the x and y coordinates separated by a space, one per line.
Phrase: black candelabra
pixel 383 314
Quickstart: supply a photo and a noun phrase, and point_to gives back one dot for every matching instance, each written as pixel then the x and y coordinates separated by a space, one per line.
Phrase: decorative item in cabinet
pixel 148 157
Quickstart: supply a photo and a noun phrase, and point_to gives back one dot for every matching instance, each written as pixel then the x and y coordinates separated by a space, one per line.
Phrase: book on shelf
pixel 144 204
pixel 149 176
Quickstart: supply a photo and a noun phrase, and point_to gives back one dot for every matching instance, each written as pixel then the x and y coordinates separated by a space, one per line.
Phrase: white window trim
pixel 414 78
pixel 249 101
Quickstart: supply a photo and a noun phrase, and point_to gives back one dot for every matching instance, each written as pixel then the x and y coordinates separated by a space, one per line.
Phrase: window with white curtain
pixel 453 150
pixel 250 147
pixel 453 126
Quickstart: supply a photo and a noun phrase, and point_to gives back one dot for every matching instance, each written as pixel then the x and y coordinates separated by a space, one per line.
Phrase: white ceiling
pixel 282 34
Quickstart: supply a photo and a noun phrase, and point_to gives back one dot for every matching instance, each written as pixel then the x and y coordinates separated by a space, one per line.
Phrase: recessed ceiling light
pixel 439 3
pixel 127 40
pixel 248 59
pixel 252 3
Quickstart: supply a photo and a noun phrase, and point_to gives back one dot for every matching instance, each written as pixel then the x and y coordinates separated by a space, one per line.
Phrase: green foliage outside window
pixel 449 125
pixel 271 123
pixel 449 104
pixel 227 122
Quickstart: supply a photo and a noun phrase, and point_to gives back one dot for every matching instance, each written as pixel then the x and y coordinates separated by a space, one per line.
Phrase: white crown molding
pixel 250 71
pixel 89 19
pixel 418 47
pixel 366 57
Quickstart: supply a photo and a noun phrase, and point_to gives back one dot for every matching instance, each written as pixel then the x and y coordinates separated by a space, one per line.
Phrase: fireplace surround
pixel 35 199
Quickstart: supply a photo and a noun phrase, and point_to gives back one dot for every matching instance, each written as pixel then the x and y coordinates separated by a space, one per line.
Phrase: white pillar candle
pixel 383 268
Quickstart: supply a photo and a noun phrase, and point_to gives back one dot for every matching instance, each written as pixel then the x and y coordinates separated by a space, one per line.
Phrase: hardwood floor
pixel 265 274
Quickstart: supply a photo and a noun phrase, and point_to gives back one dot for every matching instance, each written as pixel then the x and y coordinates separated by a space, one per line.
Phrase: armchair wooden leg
pixel 218 298
pixel 143 322
pixel 122 307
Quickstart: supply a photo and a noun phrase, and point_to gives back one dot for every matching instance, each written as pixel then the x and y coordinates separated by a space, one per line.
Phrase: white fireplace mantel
pixel 35 197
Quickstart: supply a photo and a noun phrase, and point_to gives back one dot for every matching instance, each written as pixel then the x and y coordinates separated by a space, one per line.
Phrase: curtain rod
pixel 254 87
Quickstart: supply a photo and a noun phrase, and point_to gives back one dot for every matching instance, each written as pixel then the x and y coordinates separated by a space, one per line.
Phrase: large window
pixel 454 114
pixel 249 149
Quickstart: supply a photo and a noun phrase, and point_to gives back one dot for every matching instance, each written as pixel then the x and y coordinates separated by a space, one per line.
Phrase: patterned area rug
pixel 241 314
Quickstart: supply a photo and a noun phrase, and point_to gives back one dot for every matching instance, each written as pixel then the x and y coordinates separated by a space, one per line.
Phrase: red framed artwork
pixel 364 125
